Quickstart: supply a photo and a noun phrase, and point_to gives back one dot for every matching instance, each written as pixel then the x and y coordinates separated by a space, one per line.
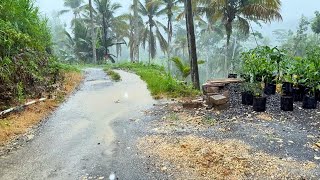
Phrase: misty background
pixel 291 13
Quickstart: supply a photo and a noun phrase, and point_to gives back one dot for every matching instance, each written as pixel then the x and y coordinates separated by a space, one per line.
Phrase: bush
pixel 27 67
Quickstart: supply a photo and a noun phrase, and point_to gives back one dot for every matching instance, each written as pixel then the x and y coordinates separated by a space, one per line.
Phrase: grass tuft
pixel 113 75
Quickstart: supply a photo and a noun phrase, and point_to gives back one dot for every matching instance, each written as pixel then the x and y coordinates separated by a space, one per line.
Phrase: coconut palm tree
pixel 106 17
pixel 106 10
pixel 93 34
pixel 134 35
pixel 169 6
pixel 243 11
pixel 75 6
pixel 150 11
pixel 240 13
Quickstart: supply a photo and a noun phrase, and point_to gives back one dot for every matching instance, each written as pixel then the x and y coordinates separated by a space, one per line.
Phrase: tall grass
pixel 159 83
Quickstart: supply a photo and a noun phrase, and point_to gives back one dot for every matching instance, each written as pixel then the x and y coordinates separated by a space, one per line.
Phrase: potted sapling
pixel 309 100
pixel 311 81
pixel 311 78
pixel 247 68
pixel 270 85
pixel 294 70
pixel 247 94
pixel 259 100
pixel 286 95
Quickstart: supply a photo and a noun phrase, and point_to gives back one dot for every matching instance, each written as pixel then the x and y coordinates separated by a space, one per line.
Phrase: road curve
pixel 77 141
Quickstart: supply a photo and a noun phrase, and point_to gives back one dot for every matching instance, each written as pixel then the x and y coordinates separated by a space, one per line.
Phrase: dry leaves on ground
pixel 19 123
pixel 200 158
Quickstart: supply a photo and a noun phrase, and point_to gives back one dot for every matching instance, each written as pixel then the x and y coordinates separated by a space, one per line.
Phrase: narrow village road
pixel 78 140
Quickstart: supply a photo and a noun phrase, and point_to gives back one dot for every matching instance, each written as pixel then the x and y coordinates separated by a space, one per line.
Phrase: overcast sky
pixel 291 11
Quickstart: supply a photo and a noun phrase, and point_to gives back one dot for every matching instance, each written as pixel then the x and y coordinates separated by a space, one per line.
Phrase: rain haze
pixel 292 10
pixel 161 89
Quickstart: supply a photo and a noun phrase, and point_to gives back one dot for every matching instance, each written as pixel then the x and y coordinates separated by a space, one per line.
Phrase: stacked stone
pixel 216 93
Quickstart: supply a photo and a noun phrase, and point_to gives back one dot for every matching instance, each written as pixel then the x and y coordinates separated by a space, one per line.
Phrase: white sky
pixel 291 11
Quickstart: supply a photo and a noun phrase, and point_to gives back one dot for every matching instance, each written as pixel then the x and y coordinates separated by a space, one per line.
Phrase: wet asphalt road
pixel 78 140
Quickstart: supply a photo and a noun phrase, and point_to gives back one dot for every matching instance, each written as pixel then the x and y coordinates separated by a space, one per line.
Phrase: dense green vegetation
pixel 159 82
pixel 27 66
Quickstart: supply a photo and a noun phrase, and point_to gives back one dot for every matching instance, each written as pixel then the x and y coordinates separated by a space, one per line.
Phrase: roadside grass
pixel 113 75
pixel 160 83
pixel 19 123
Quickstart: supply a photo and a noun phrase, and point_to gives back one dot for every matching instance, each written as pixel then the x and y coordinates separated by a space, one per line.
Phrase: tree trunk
pixel 192 44
pixel 136 31
pixel 234 52
pixel 168 50
pixel 150 41
pixel 93 35
pixel 104 26
pixel 169 26
pixel 228 27
pixel 207 63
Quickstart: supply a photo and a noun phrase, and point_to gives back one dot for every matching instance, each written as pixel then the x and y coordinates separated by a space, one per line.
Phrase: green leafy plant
pixel 257 89
pixel 311 67
pixel 183 68
pixel 260 63
pixel 20 92
pixel 247 87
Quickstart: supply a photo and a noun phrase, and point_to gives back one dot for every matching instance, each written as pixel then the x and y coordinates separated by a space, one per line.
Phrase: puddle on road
pixel 81 127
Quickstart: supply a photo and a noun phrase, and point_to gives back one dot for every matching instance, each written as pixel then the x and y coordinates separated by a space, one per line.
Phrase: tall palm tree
pixel 134 35
pixel 243 11
pixel 150 11
pixel 240 13
pixel 135 44
pixel 106 10
pixel 75 7
pixel 93 34
pixel 168 8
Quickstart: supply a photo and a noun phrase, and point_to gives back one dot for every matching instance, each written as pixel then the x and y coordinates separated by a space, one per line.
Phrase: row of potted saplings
pixel 290 93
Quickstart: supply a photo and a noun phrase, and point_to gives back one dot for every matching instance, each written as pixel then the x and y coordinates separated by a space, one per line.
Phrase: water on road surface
pixel 78 139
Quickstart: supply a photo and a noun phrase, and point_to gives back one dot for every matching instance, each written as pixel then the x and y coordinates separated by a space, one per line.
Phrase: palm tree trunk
pixel 234 51
pixel 228 27
pixel 207 63
pixel 192 44
pixel 104 26
pixel 226 68
pixel 169 40
pixel 136 31
pixel 168 52
pixel 150 38
pixel 93 35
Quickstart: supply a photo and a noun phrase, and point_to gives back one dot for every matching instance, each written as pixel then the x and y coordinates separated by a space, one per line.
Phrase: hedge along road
pixel 77 141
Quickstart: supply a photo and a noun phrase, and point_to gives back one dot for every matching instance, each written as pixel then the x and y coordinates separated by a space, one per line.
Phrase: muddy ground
pixel 273 145
pixel 108 130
